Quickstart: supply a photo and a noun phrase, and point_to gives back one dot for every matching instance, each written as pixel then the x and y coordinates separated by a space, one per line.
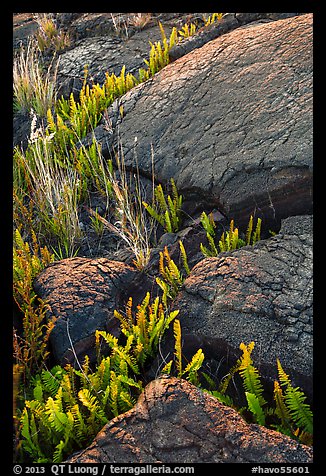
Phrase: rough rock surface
pixel 230 121
pixel 103 49
pixel 175 422
pixel 262 293
pixel 229 22
pixel 82 294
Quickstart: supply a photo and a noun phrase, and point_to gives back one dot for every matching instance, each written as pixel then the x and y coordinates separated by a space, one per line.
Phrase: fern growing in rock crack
pixel 190 372
pixel 294 400
pixel 143 329
pixel 230 239
pixel 252 384
pixel 171 279
pixel 166 211
pixel 290 414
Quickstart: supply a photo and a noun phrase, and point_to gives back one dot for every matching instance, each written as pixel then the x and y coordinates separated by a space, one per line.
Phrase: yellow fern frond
pixel 177 346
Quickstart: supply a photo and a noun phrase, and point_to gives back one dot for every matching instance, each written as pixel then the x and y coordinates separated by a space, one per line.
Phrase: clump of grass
pixel 54 191
pixel 49 37
pixel 140 20
pixel 34 88
pixel 132 224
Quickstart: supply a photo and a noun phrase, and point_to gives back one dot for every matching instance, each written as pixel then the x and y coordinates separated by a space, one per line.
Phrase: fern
pixel 230 239
pixel 190 372
pixel 226 399
pixel 281 410
pixel 294 398
pixel 172 278
pixel 51 379
pixel 257 232
pixel 193 367
pixel 250 375
pixel 212 18
pixel 255 408
pixel 177 346
pixel 184 258
pixel 166 211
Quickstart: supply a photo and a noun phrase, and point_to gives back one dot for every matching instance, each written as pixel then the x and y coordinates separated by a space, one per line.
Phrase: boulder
pixel 231 122
pixel 261 293
pixel 82 294
pixel 175 422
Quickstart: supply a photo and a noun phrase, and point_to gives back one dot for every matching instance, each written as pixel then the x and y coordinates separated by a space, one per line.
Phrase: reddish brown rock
pixel 82 294
pixel 175 422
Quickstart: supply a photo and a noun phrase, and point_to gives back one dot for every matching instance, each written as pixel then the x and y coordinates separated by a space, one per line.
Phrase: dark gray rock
pixel 82 294
pixel 175 422
pixel 100 46
pixel 231 122
pixel 263 294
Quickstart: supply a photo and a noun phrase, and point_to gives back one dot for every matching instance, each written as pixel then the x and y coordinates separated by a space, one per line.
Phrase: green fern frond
pixel 255 408
pixel 193 367
pixel 130 382
pixel 211 382
pixel 125 401
pixel 280 407
pixel 177 346
pixel 300 411
pixel 184 258
pixel 159 218
pixel 257 232
pixel 167 222
pixel 249 230
pixel 114 393
pixel 167 368
pixel 208 223
pixel 51 379
pixel 195 363
pixel 29 443
pixel 250 375
pixel 57 418
pixel 226 399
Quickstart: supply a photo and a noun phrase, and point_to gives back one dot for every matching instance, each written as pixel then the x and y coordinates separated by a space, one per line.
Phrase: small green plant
pixel 230 239
pixel 97 223
pixel 171 279
pixel 30 345
pixel 215 17
pixel 187 30
pixel 69 406
pixel 190 372
pixel 132 223
pixel 209 226
pixel 159 54
pixel 55 192
pixel 166 211
pixel 145 328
